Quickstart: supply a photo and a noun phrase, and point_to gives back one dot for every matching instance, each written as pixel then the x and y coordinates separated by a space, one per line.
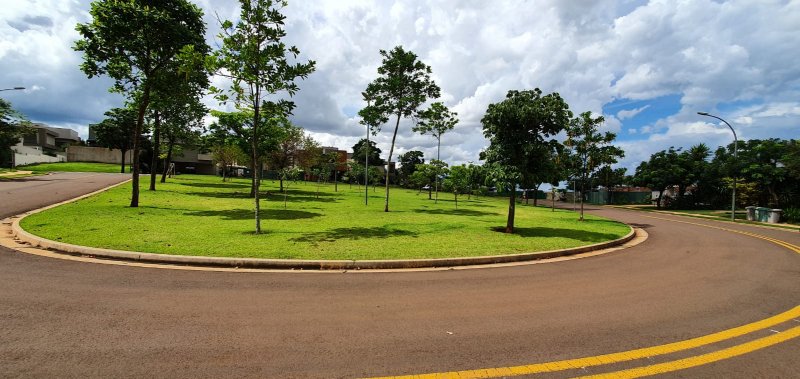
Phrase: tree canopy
pixel 518 129
pixel 403 84
pixel 256 60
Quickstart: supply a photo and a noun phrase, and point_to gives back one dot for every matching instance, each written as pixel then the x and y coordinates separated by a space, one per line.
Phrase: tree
pixel 660 172
pixel 182 124
pixel 360 152
pixel 13 126
pixel 402 85
pixel 134 42
pixel 254 57
pixel 517 129
pixel 227 154
pixel 408 164
pixel 116 131
pixel 309 155
pixel 285 156
pixel 176 107
pixel 592 149
pixel 458 181
pixel 436 120
pixel 427 174
pixel 477 177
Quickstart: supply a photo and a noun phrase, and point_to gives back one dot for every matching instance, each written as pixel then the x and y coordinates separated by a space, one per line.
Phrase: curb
pixel 289 264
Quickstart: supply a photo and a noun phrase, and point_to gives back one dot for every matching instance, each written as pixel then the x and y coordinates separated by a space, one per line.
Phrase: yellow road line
pixel 699 360
pixel 649 351
pixel 613 357
pixel 785 244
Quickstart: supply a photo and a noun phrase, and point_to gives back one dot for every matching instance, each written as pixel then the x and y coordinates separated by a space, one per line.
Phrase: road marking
pixel 613 357
pixel 655 350
pixel 785 244
pixel 699 360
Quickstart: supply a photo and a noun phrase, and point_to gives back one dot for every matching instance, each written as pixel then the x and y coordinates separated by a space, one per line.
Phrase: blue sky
pixel 647 66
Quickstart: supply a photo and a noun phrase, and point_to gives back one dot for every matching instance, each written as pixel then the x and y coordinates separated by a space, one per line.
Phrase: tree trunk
pixel 554 199
pixel 536 195
pixel 456 196
pixel 658 201
pixel 256 169
pixel 583 188
pixel 281 181
pixel 511 204
pixel 137 146
pixel 122 166
pixel 429 192
pixel 436 181
pixel 389 162
pixel 167 161
pixel 156 149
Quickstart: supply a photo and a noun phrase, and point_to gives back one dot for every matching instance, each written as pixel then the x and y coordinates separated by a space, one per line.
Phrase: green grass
pixel 201 215
pixel 72 167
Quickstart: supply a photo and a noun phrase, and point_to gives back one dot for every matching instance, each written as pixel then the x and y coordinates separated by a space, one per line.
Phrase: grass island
pixel 201 215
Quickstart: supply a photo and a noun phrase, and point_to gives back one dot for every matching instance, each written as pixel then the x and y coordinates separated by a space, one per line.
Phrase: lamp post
pixel 12 89
pixel 735 148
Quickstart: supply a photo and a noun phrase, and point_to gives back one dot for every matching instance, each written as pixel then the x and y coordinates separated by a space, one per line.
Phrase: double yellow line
pixel 579 363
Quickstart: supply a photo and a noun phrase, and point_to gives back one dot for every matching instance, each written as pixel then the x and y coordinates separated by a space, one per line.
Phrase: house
pixel 44 144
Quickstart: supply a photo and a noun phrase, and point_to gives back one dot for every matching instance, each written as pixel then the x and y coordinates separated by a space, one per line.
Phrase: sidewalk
pixel 709 217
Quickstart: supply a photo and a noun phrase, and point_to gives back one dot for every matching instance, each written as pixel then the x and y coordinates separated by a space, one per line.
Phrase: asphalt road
pixel 73 319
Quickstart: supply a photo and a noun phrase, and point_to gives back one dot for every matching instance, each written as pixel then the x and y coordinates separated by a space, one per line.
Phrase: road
pixel 74 319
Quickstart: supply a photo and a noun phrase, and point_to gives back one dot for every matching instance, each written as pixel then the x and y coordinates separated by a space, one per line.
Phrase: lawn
pixel 201 215
pixel 71 167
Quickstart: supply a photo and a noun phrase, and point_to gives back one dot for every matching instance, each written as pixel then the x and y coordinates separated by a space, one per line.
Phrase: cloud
pixel 631 113
pixel 706 53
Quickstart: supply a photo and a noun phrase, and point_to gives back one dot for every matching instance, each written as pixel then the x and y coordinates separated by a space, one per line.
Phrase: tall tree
pixel 436 120
pixel 182 123
pixel 13 126
pixel 362 148
pixel 403 84
pixel 592 148
pixel 255 58
pixel 134 42
pixel 518 128
pixel 660 172
pixel 408 164
pixel 116 131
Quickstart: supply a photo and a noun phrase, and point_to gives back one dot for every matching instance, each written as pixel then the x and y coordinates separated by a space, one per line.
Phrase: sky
pixel 647 66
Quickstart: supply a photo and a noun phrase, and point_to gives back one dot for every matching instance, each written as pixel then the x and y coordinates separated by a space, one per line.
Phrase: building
pixel 44 144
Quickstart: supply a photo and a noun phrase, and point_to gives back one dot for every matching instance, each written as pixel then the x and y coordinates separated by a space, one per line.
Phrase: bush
pixel 791 215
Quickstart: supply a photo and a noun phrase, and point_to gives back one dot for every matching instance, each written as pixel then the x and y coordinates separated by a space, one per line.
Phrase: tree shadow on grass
pixel 294 197
pixel 247 214
pixel 544 232
pixel 217 185
pixel 456 212
pixel 222 194
pixel 354 233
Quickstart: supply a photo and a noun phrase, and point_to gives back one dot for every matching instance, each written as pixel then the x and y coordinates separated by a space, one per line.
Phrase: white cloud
pixel 592 53
pixel 631 113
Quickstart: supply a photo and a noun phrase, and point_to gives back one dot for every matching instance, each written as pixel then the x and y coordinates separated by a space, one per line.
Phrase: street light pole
pixel 735 149
pixel 12 89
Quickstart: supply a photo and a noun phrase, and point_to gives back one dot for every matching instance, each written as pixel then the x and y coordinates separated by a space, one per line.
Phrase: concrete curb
pixel 289 264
